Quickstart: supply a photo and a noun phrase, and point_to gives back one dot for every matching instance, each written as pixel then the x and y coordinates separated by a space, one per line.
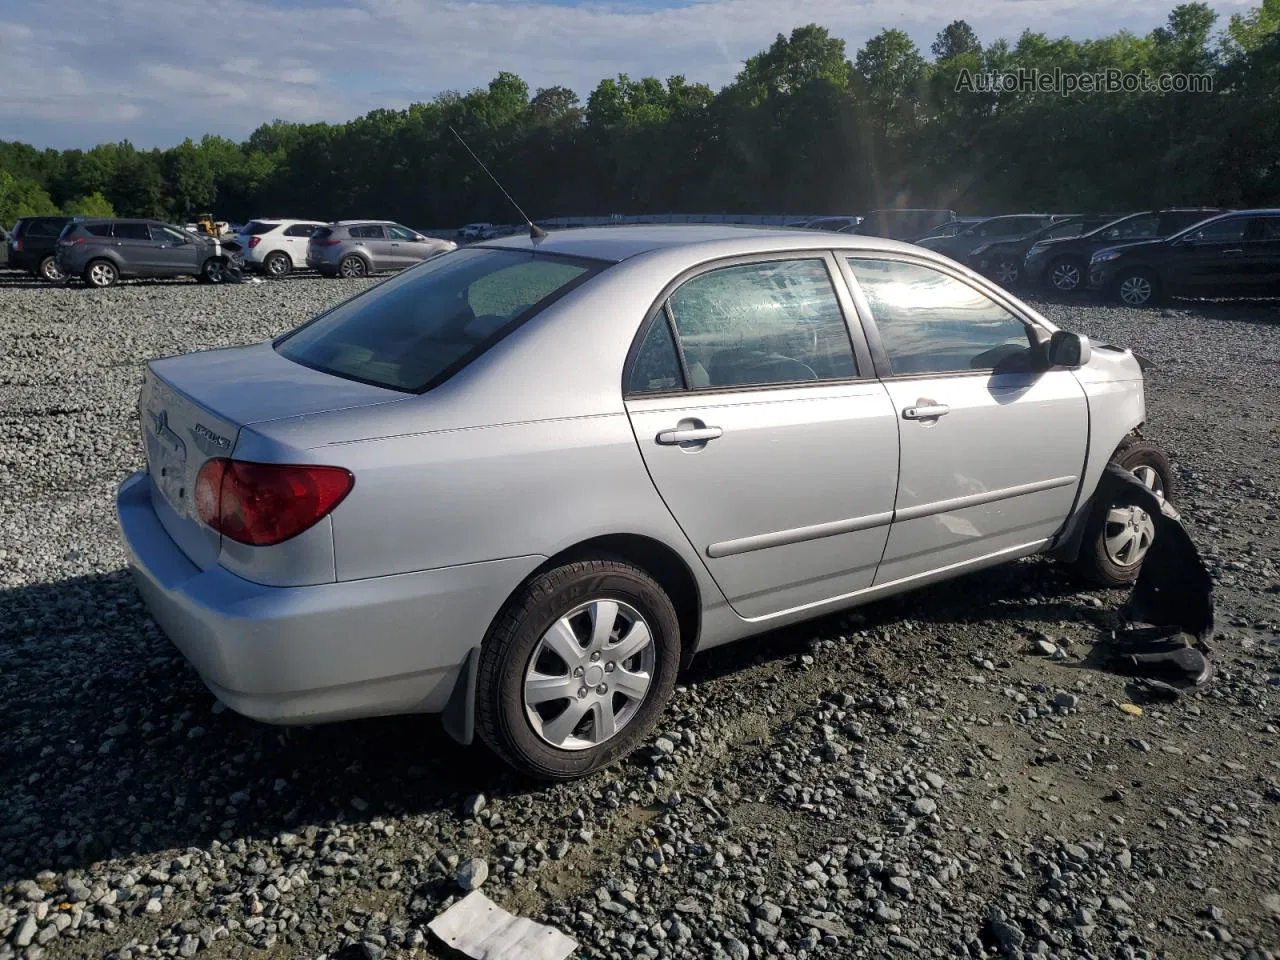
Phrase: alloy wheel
pixel 1129 531
pixel 1136 291
pixel 277 265
pixel 102 275
pixel 1006 273
pixel 589 675
pixel 50 270
pixel 352 268
pixel 1065 277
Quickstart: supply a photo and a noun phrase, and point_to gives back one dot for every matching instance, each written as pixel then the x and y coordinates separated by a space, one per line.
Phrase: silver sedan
pixel 522 484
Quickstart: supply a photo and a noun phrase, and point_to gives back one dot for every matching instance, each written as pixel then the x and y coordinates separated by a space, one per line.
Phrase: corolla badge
pixel 210 442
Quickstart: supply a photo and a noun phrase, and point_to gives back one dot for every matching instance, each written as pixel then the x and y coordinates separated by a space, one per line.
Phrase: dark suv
pixel 33 244
pixel 1234 255
pixel 1063 265
pixel 103 251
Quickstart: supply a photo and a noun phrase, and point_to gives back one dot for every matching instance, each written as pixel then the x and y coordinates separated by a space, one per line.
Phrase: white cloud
pixel 157 72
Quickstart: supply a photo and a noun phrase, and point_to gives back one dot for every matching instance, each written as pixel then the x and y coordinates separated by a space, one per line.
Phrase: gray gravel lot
pixel 907 780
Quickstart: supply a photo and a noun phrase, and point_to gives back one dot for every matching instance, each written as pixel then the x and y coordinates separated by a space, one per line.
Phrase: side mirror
pixel 1068 350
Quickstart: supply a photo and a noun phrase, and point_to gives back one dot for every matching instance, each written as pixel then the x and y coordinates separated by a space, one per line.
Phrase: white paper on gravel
pixel 481 929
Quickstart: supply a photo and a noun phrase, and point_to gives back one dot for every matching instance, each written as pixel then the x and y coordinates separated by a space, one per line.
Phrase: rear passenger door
pixel 992 448
pixel 374 239
pixel 140 254
pixel 295 240
pixel 766 432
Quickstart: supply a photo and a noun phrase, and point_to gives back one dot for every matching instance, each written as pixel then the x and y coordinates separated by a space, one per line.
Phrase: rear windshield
pixel 323 233
pixel 415 330
pixel 255 228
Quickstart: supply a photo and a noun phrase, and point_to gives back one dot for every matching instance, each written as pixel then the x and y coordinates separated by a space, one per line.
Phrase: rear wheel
pixel 1119 537
pixel 353 267
pixel 577 669
pixel 49 270
pixel 101 273
pixel 277 264
pixel 1065 275
pixel 1137 288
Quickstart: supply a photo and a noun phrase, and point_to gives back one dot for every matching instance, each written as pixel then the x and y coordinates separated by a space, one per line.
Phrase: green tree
pixel 22 198
pixel 94 205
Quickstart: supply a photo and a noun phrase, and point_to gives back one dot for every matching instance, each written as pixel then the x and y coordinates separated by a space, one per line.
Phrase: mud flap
pixel 459 715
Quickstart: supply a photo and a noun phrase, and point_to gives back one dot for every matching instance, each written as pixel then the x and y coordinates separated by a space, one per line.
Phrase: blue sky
pixel 155 71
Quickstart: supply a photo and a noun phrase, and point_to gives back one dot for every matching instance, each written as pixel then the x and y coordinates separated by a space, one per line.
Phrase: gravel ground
pixel 812 794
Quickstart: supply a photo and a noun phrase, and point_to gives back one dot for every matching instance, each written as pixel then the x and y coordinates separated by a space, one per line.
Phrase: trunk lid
pixel 192 408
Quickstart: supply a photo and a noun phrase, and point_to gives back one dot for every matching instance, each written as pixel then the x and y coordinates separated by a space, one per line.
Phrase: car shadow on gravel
pixel 111 746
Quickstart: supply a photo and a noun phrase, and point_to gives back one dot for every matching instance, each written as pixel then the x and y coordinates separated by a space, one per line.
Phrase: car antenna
pixel 536 233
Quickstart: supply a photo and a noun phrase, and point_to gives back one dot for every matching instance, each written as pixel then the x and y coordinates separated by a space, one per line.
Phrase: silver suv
pixel 357 248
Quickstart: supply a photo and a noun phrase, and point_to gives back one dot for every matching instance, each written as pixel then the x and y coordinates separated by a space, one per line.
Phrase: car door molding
pixel 978 499
pixel 782 538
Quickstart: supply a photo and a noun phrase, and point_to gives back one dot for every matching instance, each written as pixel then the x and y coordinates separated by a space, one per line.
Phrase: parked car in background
pixel 1001 260
pixel 33 246
pixel 476 231
pixel 1063 264
pixel 357 248
pixel 949 229
pixel 509 485
pixel 1008 227
pixel 905 224
pixel 837 224
pixel 276 247
pixel 102 251
pixel 1233 255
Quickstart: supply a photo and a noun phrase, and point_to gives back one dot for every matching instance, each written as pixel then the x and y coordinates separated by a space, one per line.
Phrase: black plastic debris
pixel 1164 626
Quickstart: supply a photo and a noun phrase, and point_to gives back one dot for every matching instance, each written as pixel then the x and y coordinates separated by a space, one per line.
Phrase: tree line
pixel 801 128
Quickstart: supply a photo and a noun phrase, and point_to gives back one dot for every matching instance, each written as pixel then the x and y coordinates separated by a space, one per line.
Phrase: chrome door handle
pixel 926 412
pixel 689 435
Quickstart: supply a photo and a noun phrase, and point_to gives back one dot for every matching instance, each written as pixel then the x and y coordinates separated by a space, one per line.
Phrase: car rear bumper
pixel 317 653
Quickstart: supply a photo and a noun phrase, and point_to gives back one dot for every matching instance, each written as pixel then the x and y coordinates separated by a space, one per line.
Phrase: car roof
pixel 356 223
pixel 282 220
pixel 619 243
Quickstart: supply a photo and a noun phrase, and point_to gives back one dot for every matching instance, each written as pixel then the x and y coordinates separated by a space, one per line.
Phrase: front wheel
pixel 1137 288
pixel 1006 273
pixel 1119 537
pixel 49 270
pixel 577 669
pixel 1065 275
pixel 213 271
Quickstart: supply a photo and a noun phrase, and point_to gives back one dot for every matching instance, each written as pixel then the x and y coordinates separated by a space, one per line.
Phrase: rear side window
pixel 415 330
pixel 132 231
pixel 656 368
pixel 930 322
pixel 98 229
pixel 256 228
pixel 370 231
pixel 762 323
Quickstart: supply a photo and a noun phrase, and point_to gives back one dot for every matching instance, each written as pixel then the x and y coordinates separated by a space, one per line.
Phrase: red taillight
pixel 19 244
pixel 254 241
pixel 265 503
pixel 331 242
pixel 73 242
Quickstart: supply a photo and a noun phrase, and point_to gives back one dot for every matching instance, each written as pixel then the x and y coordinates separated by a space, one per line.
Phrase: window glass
pixel 1136 228
pixel 173 235
pixel 776 322
pixel 45 227
pixel 1065 230
pixel 1265 228
pixel 657 366
pixel 400 233
pixel 408 331
pixel 132 231
pixel 300 230
pixel 370 231
pixel 99 229
pixel 256 228
pixel 1223 231
pixel 930 322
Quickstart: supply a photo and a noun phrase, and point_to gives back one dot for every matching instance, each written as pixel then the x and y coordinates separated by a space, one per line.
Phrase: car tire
pixel 1066 275
pixel 1106 556
pixel 353 267
pixel 1137 288
pixel 519 664
pixel 1006 272
pixel 213 271
pixel 101 274
pixel 49 270
pixel 277 264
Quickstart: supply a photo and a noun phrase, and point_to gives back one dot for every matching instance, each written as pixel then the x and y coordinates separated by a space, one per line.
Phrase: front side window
pixel 414 330
pixel 1066 230
pixel 1221 231
pixel 762 323
pixel 930 322
pixel 173 235
pixel 132 231
pixel 1265 228
pixel 1137 228
pixel 401 233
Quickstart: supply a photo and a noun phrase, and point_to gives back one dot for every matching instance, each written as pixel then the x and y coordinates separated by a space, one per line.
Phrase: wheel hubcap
pixel 100 274
pixel 1006 272
pixel 1066 276
pixel 51 270
pixel 214 272
pixel 1128 531
pixel 277 265
pixel 589 675
pixel 352 268
pixel 1135 291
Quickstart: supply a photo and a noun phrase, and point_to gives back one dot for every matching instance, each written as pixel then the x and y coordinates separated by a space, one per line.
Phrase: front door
pixel 992 449
pixel 775 449
pixel 404 251
pixel 295 241
pixel 175 251
pixel 1262 256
